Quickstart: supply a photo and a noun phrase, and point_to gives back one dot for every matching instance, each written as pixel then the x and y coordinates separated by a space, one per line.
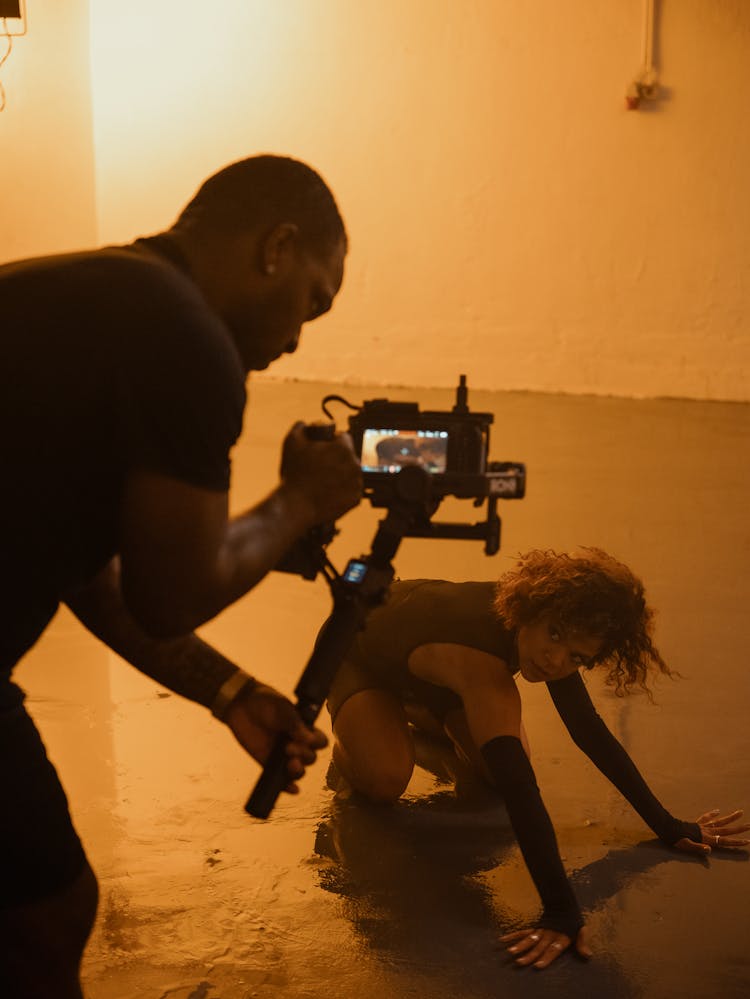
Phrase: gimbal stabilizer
pixel 362 586
pixel 411 460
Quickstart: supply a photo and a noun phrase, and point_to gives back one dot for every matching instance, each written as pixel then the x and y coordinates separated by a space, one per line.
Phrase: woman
pixel 445 655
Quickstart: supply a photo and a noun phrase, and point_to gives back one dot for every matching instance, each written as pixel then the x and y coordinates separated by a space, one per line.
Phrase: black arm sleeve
pixel 510 769
pixel 592 736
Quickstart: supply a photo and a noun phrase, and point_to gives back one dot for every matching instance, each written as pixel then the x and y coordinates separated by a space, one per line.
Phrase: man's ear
pixel 278 247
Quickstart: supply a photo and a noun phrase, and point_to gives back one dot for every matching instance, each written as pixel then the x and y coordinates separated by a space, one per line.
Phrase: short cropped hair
pixel 589 592
pixel 264 191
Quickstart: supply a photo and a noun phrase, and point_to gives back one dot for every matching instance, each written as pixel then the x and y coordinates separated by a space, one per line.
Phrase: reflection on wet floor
pixel 334 897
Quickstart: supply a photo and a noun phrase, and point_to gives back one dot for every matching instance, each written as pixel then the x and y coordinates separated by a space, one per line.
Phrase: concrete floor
pixel 330 898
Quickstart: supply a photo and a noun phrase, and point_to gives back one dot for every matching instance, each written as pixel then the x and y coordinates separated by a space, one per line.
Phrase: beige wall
pixel 509 218
pixel 46 146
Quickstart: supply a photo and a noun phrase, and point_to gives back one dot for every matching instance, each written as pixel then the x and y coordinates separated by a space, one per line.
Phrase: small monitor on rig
pixel 10 8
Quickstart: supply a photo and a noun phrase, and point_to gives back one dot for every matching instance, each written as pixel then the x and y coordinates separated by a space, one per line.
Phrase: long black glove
pixel 512 773
pixel 592 736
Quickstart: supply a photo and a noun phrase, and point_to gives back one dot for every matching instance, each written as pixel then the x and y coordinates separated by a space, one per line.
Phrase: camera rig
pixel 452 446
pixel 410 461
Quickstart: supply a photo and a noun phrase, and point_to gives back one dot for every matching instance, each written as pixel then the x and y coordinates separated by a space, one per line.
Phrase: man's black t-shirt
pixel 110 360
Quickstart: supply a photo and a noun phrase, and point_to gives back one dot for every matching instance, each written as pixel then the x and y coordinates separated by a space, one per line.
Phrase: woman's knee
pixel 385 788
pixel 381 780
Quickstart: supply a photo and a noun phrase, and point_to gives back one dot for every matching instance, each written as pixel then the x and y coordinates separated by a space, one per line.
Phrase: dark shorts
pixel 40 852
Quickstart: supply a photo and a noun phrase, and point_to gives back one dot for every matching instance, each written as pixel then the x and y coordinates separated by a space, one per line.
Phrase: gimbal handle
pixel 363 585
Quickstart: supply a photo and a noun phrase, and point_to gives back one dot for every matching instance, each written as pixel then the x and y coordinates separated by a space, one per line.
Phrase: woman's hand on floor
pixel 722 832
pixel 540 947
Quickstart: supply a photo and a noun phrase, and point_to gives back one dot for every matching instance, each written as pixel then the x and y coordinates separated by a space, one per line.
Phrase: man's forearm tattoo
pixel 188 666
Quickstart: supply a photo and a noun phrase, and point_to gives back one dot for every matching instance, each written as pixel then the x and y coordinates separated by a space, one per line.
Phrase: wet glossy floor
pixel 331 898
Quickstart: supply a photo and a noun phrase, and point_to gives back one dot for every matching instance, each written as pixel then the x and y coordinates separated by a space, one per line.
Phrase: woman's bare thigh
pixel 457 729
pixel 373 747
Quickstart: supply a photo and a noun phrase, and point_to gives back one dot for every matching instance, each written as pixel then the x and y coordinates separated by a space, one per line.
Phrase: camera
pixel 413 459
pixel 452 446
pixel 419 457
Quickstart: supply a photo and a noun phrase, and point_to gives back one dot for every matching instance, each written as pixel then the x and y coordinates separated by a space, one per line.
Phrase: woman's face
pixel 546 651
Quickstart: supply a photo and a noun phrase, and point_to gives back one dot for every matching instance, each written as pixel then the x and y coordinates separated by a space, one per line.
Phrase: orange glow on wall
pixel 508 217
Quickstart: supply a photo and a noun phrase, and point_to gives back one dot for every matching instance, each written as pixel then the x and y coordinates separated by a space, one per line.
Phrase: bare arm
pixel 184 560
pixel 482 681
pixel 186 665
pixel 255 713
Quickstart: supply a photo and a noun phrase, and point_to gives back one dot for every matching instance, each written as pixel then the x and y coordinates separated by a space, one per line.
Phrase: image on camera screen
pixel 390 450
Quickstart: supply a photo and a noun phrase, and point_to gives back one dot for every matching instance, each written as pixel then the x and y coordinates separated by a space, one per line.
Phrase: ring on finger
pixel 717 840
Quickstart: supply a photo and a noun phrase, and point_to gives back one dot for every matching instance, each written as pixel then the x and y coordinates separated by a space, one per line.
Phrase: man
pixel 122 392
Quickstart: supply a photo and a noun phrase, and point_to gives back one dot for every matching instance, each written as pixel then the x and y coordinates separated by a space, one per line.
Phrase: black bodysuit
pixel 420 612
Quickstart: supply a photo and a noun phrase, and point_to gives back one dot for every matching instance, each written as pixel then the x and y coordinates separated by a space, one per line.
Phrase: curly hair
pixel 591 593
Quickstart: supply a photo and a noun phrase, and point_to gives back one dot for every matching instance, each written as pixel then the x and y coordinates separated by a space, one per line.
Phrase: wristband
pixel 229 691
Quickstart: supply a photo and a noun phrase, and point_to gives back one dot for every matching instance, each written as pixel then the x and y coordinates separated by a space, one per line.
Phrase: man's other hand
pixel 325 472
pixel 259 715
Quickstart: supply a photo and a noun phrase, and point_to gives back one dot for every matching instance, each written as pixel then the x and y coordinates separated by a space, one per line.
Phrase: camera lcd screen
pixel 355 571
pixel 389 450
